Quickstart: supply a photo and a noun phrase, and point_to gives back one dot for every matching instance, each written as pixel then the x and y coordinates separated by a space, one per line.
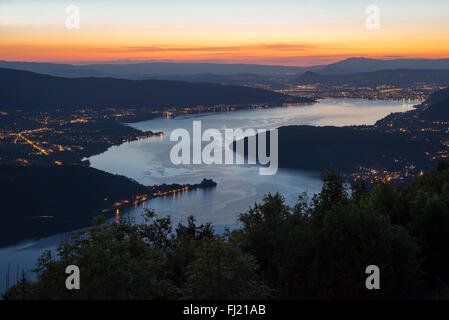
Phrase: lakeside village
pixel 163 190
pixel 415 92
pixel 59 138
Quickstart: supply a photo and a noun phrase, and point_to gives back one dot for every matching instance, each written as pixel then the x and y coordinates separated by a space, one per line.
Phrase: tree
pixel 320 248
pixel 146 261
pixel 317 249
pixel 221 270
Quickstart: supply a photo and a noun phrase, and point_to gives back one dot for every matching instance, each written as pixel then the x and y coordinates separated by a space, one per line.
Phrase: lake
pixel 239 186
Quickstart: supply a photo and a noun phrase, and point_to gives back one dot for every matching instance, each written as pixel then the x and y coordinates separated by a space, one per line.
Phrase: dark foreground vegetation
pixel 318 249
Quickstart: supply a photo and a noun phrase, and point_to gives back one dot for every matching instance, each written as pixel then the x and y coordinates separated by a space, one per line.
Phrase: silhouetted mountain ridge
pixel 139 70
pixel 361 64
pixel 147 70
pixel 32 91
pixel 399 77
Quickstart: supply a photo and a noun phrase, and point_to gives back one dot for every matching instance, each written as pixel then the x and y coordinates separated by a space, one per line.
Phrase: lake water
pixel 239 186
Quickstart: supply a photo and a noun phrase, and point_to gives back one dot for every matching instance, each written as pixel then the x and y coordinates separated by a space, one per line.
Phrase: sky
pixel 278 32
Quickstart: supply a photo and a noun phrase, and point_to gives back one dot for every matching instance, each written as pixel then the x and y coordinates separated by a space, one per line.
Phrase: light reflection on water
pixel 239 187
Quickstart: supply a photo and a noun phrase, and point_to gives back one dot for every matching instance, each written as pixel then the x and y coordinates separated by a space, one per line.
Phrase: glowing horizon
pixel 283 33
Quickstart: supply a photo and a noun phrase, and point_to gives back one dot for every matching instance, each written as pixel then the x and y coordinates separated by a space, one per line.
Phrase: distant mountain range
pixel 149 70
pixel 399 77
pixel 32 91
pixel 356 65
pixel 236 79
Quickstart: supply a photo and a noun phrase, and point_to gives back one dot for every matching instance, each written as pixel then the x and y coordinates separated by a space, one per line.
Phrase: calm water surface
pixel 239 186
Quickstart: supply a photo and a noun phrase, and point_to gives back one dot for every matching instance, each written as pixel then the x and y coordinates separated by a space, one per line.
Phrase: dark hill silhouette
pixel 69 196
pixel 149 69
pixel 31 91
pixel 436 107
pixel 61 190
pixel 438 96
pixel 399 77
pixel 380 146
pixel 343 148
pixel 361 64
pixel 40 201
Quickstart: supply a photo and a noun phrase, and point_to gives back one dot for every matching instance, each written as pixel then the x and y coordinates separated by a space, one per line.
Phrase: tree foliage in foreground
pixel 147 261
pixel 317 249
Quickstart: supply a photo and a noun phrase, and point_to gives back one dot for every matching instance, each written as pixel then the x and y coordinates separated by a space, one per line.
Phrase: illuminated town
pixel 163 190
pixel 56 138
pixel 416 92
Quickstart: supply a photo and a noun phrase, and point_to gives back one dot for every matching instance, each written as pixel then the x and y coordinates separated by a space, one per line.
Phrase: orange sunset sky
pixel 282 32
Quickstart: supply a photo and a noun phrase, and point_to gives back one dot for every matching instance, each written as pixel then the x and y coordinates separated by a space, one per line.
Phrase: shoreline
pixel 124 204
pixel 60 224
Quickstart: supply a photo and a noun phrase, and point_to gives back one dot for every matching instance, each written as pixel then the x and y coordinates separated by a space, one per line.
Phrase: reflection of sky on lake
pixel 239 186
pixel 148 161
